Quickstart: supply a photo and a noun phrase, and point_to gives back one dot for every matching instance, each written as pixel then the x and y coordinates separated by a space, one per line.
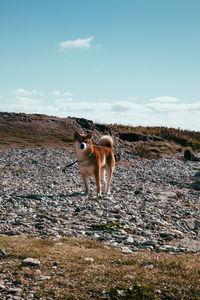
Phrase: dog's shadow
pixel 40 197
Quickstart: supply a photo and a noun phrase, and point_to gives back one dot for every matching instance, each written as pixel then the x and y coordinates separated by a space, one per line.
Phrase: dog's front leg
pixel 85 179
pixel 98 183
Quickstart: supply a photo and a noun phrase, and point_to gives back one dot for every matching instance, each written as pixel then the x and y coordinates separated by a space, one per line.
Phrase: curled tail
pixel 107 141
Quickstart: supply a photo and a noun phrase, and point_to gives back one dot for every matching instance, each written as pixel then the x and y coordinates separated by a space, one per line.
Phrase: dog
pixel 95 161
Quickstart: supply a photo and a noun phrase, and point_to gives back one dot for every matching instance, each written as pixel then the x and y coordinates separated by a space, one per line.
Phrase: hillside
pixel 35 130
pixel 140 242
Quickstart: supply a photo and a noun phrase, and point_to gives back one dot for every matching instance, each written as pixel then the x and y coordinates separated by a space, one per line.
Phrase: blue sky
pixel 112 61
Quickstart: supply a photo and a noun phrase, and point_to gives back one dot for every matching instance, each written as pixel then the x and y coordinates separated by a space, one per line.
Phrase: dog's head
pixel 82 141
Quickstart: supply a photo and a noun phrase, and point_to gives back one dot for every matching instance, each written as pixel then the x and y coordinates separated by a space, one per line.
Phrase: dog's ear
pixel 89 135
pixel 76 134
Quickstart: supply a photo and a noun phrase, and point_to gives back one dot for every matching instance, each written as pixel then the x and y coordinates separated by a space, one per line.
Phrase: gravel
pixel 154 204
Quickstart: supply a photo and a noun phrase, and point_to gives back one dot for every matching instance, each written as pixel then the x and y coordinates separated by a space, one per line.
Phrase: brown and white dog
pixel 95 161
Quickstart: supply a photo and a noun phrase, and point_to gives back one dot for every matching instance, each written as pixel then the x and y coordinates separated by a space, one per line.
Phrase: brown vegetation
pixel 85 269
pixel 22 130
pixel 178 137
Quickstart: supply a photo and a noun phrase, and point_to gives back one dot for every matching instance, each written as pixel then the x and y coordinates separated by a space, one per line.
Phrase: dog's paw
pixel 89 197
pixel 99 196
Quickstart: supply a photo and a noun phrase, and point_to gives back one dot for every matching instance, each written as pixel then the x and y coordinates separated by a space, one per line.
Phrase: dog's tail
pixel 107 141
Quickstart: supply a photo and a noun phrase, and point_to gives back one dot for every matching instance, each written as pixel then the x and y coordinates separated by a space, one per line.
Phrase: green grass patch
pixel 110 226
pixel 136 292
pixel 194 144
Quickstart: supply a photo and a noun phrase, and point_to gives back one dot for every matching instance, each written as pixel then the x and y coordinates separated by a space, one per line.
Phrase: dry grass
pixel 140 275
pixel 183 138
pixel 24 138
pixel 23 130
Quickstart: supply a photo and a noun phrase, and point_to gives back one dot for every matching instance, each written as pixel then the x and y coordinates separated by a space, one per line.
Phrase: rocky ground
pixel 154 204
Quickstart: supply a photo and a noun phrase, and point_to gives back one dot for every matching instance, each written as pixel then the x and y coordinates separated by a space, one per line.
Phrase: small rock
pixel 126 250
pixel 2 253
pixel 89 259
pixel 167 248
pixel 30 296
pixel 15 291
pixel 152 243
pixel 129 240
pixel 137 192
pixel 166 235
pixel 178 234
pixel 146 234
pixel 96 236
pixel 2 286
pixel 41 278
pixel 149 265
pixel 196 225
pixel 30 262
pixel 58 244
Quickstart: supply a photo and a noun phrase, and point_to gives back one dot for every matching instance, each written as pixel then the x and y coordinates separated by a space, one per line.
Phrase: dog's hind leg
pixel 103 178
pixel 109 172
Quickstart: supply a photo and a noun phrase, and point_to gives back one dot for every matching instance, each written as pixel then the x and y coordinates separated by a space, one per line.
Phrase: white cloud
pixel 24 92
pixel 59 93
pixel 164 99
pixel 55 93
pixel 28 101
pixel 67 94
pixel 78 44
pixel 172 114
pixel 172 108
pixel 120 106
pixel 63 100
pixel 194 107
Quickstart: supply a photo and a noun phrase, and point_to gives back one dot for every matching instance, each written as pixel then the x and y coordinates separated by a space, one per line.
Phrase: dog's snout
pixel 82 146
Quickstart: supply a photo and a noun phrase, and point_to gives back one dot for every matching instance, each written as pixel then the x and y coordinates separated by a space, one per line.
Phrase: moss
pixel 194 144
pixel 110 226
pixel 136 292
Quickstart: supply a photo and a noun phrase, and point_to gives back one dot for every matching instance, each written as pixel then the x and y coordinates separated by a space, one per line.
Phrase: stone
pixel 42 201
pixel 149 265
pixel 168 236
pixel 147 243
pixel 167 248
pixel 2 286
pixel 15 291
pixel 42 278
pixel 196 224
pixel 58 244
pixel 178 234
pixel 146 234
pixel 3 253
pixel 30 262
pixel 126 250
pixel 89 259
pixel 129 240
pixel 188 155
